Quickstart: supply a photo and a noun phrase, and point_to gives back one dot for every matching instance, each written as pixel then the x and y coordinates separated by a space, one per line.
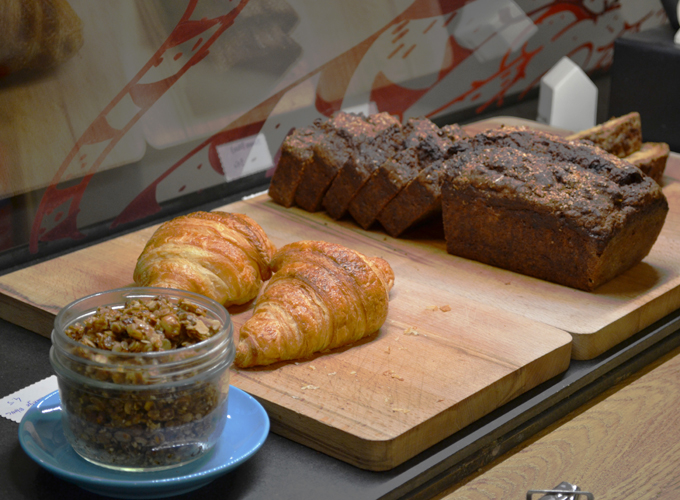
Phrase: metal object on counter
pixel 563 491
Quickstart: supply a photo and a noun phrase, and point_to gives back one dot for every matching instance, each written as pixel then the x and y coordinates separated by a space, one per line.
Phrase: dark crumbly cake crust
pixel 537 204
pixel 421 198
pixel 329 154
pixel 424 144
pixel 455 132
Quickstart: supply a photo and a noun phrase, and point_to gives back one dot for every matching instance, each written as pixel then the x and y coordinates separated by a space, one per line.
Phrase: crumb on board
pixel 331 374
pixel 402 410
pixel 309 387
pixel 391 374
pixel 412 331
pixel 444 308
pixel 312 367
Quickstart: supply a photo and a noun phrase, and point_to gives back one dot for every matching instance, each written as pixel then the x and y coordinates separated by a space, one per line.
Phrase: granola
pixel 136 414
pixel 145 325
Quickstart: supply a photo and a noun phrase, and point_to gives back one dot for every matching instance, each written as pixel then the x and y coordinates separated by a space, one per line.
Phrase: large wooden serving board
pixel 427 373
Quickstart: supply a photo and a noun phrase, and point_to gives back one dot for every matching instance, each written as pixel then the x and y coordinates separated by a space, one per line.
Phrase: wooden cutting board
pixel 427 373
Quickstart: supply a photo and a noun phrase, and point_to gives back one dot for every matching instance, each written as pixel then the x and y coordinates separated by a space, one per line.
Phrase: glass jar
pixel 148 410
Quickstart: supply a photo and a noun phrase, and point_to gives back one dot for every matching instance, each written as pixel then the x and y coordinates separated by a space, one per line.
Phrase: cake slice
pixel 558 210
pixel 620 136
pixel 367 157
pixel 296 156
pixel 651 158
pixel 421 198
pixel 342 134
pixel 424 144
pixel 418 201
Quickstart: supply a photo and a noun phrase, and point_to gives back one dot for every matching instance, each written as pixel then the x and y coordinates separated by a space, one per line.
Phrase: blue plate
pixel 42 438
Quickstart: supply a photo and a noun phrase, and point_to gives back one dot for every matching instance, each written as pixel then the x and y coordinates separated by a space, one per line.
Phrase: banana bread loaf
pixel 563 211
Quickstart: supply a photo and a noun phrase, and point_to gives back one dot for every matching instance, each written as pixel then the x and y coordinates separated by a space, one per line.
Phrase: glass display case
pixel 116 114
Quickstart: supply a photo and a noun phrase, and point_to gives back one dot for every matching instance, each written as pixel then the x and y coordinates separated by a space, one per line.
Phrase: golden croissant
pixel 221 255
pixel 321 296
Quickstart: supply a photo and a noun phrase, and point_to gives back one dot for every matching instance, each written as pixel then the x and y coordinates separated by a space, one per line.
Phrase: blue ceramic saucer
pixel 42 438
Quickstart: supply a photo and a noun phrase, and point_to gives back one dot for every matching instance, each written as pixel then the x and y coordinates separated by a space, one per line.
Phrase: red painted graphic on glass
pixel 335 76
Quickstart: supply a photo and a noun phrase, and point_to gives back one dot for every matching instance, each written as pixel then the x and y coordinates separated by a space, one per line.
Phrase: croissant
pixel 221 255
pixel 321 296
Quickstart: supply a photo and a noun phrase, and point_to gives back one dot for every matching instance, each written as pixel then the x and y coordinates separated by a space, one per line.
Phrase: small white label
pixel 254 195
pixel 16 405
pixel 244 156
pixel 364 109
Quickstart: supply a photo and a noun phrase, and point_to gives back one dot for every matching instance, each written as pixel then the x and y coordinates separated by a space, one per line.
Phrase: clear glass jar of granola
pixel 143 376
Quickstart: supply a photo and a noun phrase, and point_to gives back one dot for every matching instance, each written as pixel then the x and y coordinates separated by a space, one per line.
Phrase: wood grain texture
pixel 426 374
pixel 624 444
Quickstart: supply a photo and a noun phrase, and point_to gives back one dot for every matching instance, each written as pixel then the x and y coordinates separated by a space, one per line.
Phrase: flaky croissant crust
pixel 221 255
pixel 321 296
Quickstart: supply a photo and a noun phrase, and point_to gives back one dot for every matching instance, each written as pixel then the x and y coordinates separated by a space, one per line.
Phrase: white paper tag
pixel 369 108
pixel 254 195
pixel 17 404
pixel 244 156
pixel 364 109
